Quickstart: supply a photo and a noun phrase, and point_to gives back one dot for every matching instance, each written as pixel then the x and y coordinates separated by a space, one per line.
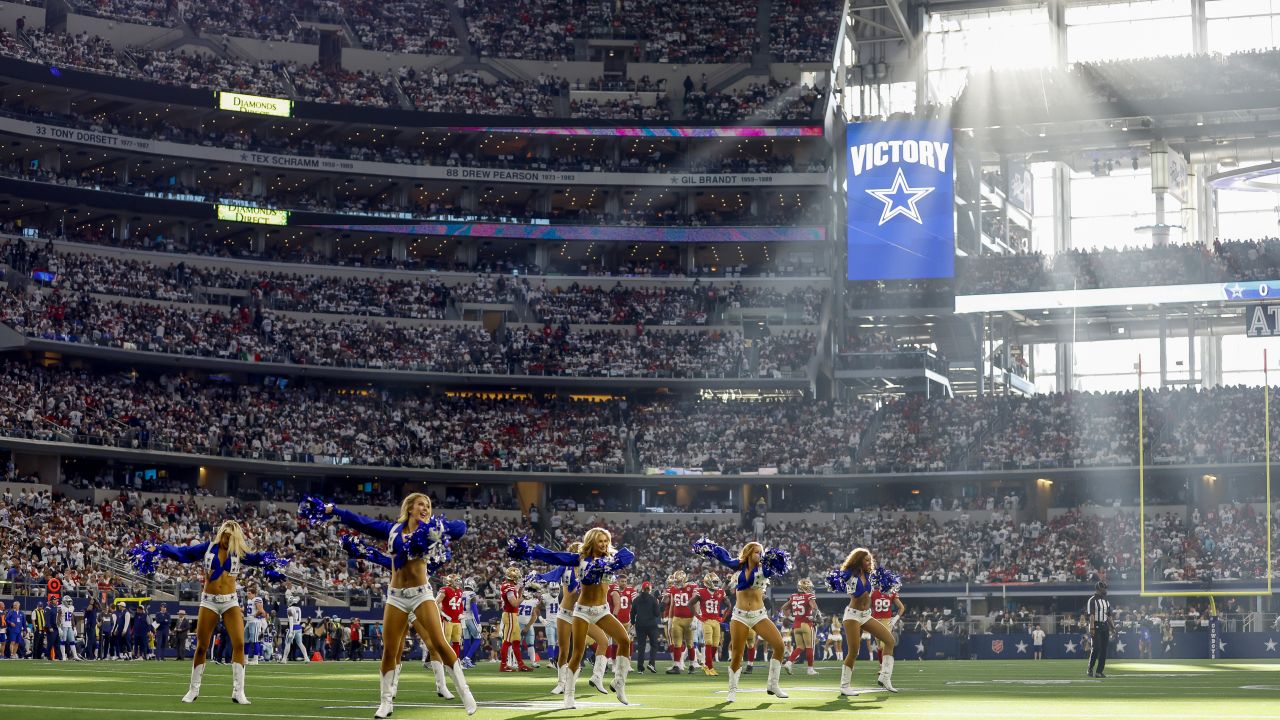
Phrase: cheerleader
pixel 753 566
pixel 414 539
pixel 359 550
pixel 595 561
pixel 857 576
pixel 222 559
pixel 570 588
pixel 831 648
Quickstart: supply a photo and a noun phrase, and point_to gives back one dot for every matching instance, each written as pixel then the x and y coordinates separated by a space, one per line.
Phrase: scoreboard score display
pixel 900 193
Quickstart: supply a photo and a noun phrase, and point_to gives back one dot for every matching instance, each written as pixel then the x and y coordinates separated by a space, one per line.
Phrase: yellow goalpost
pixel 1142 499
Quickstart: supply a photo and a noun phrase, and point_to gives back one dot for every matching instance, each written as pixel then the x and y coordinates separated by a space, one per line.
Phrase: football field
pixel 935 690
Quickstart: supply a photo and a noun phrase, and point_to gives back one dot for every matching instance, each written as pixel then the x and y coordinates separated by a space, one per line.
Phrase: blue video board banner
pixel 901 215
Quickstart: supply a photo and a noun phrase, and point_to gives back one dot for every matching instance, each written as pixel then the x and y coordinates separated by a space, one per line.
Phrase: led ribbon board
pixel 900 221
pixel 239 102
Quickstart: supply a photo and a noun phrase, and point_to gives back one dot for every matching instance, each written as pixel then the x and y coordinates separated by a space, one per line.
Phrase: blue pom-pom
pixel 777 560
pixel 430 540
pixel 837 581
pixel 597 568
pixel 887 581
pixel 144 556
pixel 312 508
pixel 354 547
pixel 273 574
pixel 518 547
pixel 704 547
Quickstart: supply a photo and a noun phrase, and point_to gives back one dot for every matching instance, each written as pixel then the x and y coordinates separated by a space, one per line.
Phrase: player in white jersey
pixel 294 637
pixel 255 619
pixel 528 616
pixel 67 629
pixel 551 608
pixel 470 623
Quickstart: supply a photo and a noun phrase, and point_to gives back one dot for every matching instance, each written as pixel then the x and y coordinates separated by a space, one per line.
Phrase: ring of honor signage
pixel 900 221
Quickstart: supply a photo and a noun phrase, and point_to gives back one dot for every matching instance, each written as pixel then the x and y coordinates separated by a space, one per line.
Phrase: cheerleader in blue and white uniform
pixel 596 562
pixel 222 558
pixel 565 581
pixel 414 540
pixel 357 549
pixel 857 576
pixel 753 567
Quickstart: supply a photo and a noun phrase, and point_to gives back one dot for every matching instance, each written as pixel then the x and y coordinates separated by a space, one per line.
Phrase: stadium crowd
pixel 80 541
pixel 279 419
pixel 257 335
pixel 428 90
pixel 720 31
pixel 636 158
pixel 383 205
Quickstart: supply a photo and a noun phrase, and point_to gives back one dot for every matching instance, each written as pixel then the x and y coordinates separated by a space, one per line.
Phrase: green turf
pixel 934 690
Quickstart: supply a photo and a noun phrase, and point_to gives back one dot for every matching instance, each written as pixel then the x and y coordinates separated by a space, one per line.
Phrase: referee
pixel 1099 610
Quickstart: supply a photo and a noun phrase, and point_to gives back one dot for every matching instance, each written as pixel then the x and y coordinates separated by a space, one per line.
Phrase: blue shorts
pixel 15 635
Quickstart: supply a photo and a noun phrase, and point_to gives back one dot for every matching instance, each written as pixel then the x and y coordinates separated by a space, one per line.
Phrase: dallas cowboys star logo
pixel 1271 645
pixel 900 199
pixel 920 648
pixel 1236 290
pixel 1070 646
pixel 1119 646
pixel 1022 647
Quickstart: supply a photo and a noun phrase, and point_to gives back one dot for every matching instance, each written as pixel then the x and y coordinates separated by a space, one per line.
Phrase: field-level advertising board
pixel 1142 500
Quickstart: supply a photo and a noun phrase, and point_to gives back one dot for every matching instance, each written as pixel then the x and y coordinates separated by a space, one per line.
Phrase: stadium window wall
pixel 1244 215
pixel 880 99
pixel 1044 358
pixel 1238 25
pixel 1108 209
pixel 1128 30
pixel 997 39
pixel 1112 365
pixel 1045 206
pixel 1241 360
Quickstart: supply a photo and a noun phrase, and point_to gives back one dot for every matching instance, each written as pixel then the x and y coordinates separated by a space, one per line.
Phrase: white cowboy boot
pixel 846 677
pixel 386 691
pixel 442 688
pixel 775 671
pixel 237 684
pixel 885 679
pixel 193 689
pixel 460 684
pixel 570 684
pixel 733 685
pixel 621 668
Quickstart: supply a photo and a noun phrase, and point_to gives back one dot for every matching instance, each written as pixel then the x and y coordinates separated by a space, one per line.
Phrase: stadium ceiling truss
pixel 879 21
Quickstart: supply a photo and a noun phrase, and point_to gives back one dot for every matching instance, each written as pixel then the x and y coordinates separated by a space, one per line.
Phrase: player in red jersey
pixel 679 600
pixel 712 604
pixel 512 594
pixel 621 595
pixel 451 608
pixel 802 607
pixel 882 606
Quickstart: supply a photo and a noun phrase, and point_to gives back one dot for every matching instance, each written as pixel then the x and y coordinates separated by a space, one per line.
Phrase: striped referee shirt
pixel 1098 609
